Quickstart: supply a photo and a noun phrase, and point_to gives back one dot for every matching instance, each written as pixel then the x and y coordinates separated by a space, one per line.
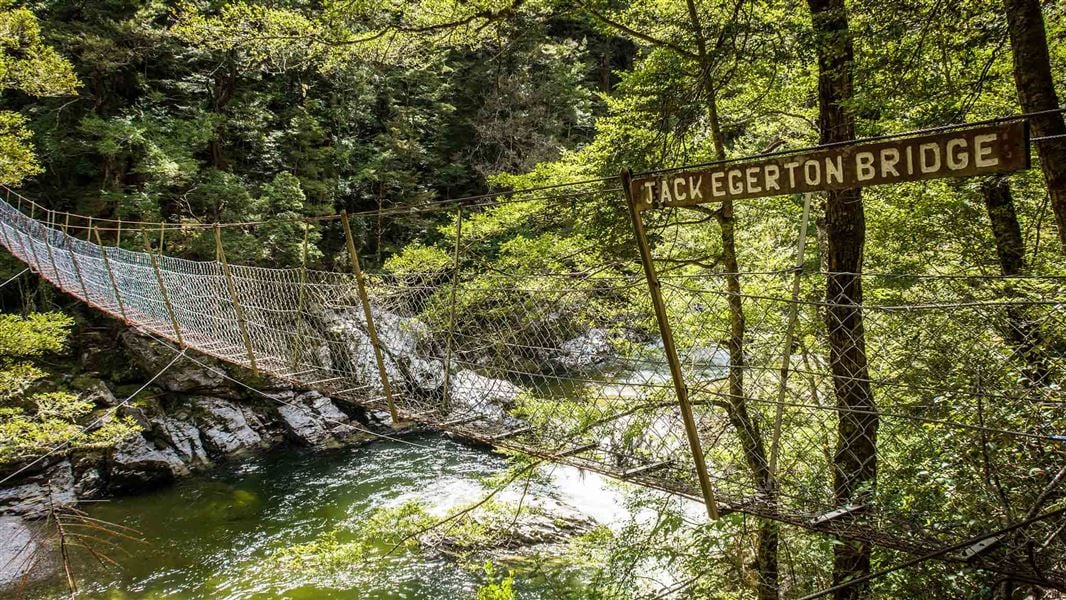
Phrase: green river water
pixel 213 536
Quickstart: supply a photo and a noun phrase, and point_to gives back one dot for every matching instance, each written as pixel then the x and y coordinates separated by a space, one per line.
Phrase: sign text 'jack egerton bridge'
pixel 981 150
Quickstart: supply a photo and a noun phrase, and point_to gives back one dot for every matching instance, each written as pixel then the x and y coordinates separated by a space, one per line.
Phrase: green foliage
pixel 337 550
pixel 271 112
pixel 29 66
pixel 17 160
pixel 36 417
pixel 27 63
pixel 497 588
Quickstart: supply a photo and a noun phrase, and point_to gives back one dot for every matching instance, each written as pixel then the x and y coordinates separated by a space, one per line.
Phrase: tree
pixel 855 473
pixel 30 67
pixel 1036 93
pixel 37 417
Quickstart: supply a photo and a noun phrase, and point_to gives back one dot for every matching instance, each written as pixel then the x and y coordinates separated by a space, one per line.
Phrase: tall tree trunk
pixel 1010 247
pixel 1023 332
pixel 737 406
pixel 224 91
pixel 855 461
pixel 1036 93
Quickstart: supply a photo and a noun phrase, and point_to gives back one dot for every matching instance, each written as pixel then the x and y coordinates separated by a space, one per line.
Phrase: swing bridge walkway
pixel 525 330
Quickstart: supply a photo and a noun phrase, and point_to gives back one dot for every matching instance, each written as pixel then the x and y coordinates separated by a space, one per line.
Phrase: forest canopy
pixel 272 116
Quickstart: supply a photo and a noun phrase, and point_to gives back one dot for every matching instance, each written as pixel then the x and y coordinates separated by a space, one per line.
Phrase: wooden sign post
pixel 964 152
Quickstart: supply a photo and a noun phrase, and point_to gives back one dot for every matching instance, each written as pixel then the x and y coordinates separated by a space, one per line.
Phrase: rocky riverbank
pixel 193 419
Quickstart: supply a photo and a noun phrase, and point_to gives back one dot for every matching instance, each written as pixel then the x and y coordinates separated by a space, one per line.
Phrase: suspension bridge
pixel 566 359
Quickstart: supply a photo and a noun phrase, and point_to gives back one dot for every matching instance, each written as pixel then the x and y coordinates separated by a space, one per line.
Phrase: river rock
pixel 52 487
pixel 584 352
pixel 95 391
pixel 400 335
pixel 136 464
pixel 312 419
pixel 184 438
pixel 224 427
pixel 25 554
pixel 426 376
pixel 184 376
pixel 401 339
pixel 89 483
pixel 356 354
pixel 492 397
pixel 539 526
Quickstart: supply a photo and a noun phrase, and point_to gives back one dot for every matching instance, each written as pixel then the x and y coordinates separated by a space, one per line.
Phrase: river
pixel 216 535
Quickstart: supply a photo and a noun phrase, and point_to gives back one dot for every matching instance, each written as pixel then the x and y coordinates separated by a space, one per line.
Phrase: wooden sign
pixel 981 150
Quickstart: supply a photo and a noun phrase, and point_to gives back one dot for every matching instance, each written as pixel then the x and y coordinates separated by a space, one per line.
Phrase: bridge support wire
pixel 790 336
pixel 450 341
pixel 242 322
pixel 162 287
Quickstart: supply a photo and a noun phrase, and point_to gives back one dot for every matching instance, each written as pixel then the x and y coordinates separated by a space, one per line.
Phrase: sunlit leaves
pixel 17 159
pixel 35 416
pixel 395 33
pixel 29 66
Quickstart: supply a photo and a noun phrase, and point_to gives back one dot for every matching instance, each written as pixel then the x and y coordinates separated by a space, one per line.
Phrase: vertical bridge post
pixel 301 300
pixel 451 309
pixel 47 229
pixel 706 487
pixel 111 276
pixel 162 287
pixel 74 257
pixel 34 224
pixel 371 330
pixel 242 324
pixel 790 336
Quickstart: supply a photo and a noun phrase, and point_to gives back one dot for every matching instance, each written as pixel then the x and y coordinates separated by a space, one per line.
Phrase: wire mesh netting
pixel 528 324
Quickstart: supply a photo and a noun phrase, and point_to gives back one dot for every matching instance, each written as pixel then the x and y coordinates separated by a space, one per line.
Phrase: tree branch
pixel 640 35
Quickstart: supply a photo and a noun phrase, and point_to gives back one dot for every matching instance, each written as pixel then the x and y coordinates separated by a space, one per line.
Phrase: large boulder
pixel 509 532
pixel 37 493
pixel 184 376
pixel 137 464
pixel 402 339
pixel 313 420
pixel 587 351
pixel 401 336
pixel 183 436
pixel 484 395
pixel 224 427
pixel 355 354
pixel 426 375
pixel 25 555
